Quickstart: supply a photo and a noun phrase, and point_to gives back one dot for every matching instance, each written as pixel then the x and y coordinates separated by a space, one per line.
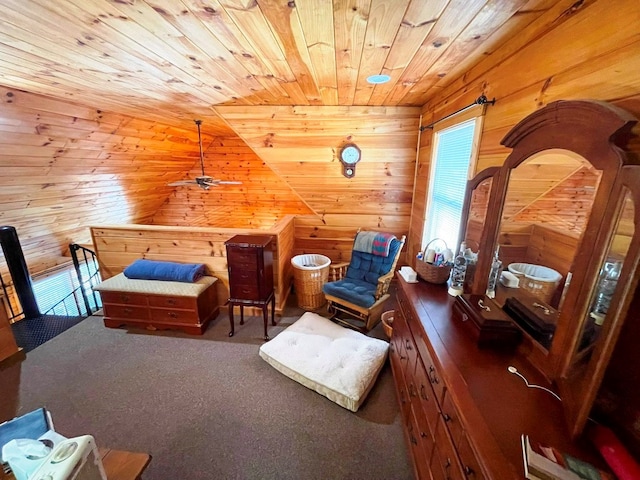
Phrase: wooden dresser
pixel 8 345
pixel 156 305
pixel 250 264
pixel 463 412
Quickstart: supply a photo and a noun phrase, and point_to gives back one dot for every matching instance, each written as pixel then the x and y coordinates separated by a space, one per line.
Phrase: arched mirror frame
pixel 598 132
pixel 490 173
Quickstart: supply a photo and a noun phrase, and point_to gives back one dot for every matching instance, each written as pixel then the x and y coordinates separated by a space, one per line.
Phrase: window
pixel 453 153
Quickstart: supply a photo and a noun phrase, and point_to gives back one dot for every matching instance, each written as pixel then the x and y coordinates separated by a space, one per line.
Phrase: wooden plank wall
pixel 301 145
pixel 119 245
pixel 590 50
pixel 261 200
pixel 65 166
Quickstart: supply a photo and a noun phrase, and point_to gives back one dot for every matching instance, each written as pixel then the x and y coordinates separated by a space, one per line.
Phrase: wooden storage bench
pixel 159 305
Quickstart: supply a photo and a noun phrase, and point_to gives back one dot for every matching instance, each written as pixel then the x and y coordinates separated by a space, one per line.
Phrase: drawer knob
pixel 446 417
pixel 407 345
pixel 468 471
pixel 171 301
pixel 172 314
pixel 127 310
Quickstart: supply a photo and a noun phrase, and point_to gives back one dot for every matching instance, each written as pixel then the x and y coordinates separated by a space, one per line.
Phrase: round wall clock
pixel 349 156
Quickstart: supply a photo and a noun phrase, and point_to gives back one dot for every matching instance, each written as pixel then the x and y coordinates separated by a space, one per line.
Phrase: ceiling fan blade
pixel 215 182
pixel 181 183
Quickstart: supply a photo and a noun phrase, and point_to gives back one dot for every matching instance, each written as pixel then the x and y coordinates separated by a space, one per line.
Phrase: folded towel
pixel 381 244
pixel 167 271
pixel 364 242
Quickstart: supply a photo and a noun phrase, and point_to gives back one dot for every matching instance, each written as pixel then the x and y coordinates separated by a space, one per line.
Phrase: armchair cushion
pixel 352 290
pixel 369 267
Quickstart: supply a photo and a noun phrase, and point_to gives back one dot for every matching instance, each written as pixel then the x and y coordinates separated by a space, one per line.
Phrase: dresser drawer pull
pixel 465 317
pixel 423 435
pixel 432 375
pixel 124 298
pixel 412 391
pixel 446 417
pixel 423 393
pixel 407 345
pixel 128 310
pixel 468 471
pixel 172 314
pixel 171 301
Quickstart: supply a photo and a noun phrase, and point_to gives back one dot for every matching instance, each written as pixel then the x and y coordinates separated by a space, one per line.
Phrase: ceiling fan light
pixel 378 79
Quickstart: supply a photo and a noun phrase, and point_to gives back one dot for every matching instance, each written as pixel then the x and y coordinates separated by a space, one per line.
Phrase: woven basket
pixel 310 273
pixel 538 280
pixel 387 322
pixel 429 272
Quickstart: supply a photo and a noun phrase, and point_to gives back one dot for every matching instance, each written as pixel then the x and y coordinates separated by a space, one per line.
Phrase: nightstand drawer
pixel 240 276
pixel 245 292
pixel 243 257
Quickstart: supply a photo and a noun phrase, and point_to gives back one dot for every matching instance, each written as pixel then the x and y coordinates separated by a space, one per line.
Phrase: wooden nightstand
pixel 250 264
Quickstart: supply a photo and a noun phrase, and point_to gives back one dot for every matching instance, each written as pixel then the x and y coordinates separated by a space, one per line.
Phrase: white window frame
pixel 475 114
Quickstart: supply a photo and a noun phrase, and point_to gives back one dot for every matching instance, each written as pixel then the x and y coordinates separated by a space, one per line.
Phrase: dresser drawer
pixel 243 256
pixel 124 298
pixel 451 419
pixel 163 315
pixel 243 276
pixel 126 311
pixel 444 461
pixel 245 292
pixel 185 303
pixel 427 397
pixel 470 464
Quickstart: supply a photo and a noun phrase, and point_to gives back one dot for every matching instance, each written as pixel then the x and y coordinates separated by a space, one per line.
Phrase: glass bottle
pixel 494 274
pixel 458 272
pixel 606 288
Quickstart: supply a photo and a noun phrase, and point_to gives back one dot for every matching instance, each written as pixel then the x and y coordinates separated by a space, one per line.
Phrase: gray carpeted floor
pixel 205 407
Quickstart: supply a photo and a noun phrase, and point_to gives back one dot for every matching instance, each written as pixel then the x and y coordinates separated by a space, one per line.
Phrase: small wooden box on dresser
pixel 250 265
pixel 463 412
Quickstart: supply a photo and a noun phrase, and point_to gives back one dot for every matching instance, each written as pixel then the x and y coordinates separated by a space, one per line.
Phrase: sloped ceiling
pixel 170 61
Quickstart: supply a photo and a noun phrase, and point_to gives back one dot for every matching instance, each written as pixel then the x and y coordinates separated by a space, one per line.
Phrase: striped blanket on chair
pixel 376 243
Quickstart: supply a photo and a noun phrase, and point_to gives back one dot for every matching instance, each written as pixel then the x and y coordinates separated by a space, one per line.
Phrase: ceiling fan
pixel 203 181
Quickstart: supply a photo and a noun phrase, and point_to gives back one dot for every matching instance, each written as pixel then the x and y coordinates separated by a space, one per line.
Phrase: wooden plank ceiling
pixel 172 60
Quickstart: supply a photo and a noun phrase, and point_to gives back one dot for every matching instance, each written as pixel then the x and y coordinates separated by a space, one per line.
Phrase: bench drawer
pixel 184 303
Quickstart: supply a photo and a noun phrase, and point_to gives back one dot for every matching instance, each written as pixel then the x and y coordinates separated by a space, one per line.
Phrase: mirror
pixel 609 276
pixel 474 216
pixel 546 209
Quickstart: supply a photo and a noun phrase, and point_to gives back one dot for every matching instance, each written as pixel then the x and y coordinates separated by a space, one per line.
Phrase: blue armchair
pixel 358 289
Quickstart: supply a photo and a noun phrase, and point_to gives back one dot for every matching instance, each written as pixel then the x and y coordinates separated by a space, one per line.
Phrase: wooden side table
pixel 121 465
pixel 250 265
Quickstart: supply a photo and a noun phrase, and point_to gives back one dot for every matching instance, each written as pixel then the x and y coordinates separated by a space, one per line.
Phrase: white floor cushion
pixel 336 362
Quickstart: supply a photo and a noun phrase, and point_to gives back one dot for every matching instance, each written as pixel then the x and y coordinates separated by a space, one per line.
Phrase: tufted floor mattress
pixel 336 362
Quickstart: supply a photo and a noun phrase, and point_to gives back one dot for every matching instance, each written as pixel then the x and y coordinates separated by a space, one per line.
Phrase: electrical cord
pixel 515 371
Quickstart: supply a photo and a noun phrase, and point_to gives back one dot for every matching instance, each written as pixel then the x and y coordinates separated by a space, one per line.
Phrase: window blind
pixel 449 181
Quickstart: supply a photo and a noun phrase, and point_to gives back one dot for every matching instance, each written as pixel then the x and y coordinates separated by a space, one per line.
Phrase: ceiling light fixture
pixel 378 79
